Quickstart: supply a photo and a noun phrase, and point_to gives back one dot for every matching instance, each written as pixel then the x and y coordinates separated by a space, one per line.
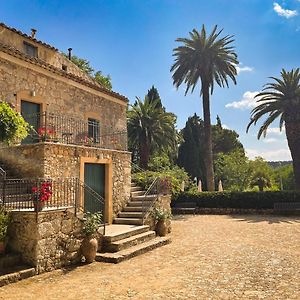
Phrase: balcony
pixel 50 127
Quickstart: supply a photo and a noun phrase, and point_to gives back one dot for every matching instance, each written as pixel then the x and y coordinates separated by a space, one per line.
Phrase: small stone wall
pixel 162 202
pixel 48 241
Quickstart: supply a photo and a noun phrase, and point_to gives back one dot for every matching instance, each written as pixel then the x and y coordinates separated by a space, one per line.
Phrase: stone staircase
pixel 122 242
pixel 128 237
pixel 133 213
pixel 12 269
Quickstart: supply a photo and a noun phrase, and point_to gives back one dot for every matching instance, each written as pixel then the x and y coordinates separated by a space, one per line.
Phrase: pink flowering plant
pixel 46 133
pixel 43 192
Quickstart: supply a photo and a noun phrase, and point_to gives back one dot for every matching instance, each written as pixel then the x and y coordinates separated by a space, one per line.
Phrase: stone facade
pixel 46 241
pixel 54 160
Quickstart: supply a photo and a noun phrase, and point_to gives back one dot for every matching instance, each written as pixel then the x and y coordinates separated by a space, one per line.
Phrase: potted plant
pixel 41 194
pixel 89 245
pixel 161 216
pixel 4 221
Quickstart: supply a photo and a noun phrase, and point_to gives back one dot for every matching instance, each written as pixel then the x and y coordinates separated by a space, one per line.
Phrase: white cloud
pixel 275 130
pixel 240 69
pixel 247 101
pixel 274 155
pixel 270 140
pixel 287 13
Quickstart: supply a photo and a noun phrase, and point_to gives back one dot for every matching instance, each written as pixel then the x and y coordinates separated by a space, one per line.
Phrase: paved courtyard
pixel 211 257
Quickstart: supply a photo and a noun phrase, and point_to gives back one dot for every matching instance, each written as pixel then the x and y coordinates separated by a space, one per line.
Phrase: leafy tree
pixel 85 66
pixel 224 140
pixel 149 129
pixel 13 128
pixel 191 152
pixel 103 80
pixel 284 177
pixel 205 59
pixel 261 174
pixel 234 170
pixel 281 99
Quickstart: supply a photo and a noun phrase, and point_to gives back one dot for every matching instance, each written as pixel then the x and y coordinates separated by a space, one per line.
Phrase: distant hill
pixel 276 164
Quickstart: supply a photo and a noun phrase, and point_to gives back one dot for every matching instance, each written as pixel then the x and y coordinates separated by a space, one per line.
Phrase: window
pixel 30 50
pixel 94 130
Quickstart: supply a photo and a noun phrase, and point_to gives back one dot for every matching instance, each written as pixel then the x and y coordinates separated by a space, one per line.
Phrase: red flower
pixel 35 189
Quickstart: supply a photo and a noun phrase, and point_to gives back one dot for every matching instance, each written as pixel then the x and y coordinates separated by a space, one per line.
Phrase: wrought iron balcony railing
pixel 52 127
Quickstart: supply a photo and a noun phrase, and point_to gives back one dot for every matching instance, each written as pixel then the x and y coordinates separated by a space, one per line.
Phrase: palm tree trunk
pixel 208 138
pixel 293 136
pixel 145 154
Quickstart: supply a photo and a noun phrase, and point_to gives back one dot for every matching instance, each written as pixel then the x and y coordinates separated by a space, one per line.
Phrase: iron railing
pixel 26 195
pixel 52 127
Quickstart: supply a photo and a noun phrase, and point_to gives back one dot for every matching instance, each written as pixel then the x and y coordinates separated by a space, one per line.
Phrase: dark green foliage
pixel 244 200
pixel 154 95
pixel 85 66
pixel 150 130
pixel 191 150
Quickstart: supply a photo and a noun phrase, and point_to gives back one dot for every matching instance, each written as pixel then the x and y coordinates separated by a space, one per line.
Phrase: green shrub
pixel 176 175
pixel 4 221
pixel 13 127
pixel 245 200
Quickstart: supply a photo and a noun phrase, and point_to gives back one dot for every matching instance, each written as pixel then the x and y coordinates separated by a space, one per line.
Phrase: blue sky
pixel 132 40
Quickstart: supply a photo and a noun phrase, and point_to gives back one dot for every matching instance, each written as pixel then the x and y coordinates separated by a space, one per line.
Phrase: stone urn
pixel 161 227
pixel 89 248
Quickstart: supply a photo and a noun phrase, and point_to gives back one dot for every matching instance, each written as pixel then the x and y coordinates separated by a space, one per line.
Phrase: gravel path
pixel 211 257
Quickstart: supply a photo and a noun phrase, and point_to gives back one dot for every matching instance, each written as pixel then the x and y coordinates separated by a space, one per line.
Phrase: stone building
pixel 78 126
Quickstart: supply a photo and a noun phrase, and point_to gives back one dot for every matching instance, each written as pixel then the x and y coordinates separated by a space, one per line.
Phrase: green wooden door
pixel 31 113
pixel 94 177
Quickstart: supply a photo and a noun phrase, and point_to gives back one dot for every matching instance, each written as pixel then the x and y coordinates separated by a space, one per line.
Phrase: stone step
pixel 135 188
pixel 129 242
pixel 130 214
pixel 145 198
pixel 118 234
pixel 15 274
pixel 129 221
pixel 137 193
pixel 134 209
pixel 9 260
pixel 139 203
pixel 132 251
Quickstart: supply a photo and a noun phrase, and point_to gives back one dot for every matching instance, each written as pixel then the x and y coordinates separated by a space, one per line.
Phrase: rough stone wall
pixel 162 202
pixel 60 96
pixel 49 242
pixel 54 160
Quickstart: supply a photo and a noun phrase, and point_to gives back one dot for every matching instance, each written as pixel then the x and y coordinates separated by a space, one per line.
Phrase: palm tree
pixel 205 59
pixel 281 99
pixel 150 128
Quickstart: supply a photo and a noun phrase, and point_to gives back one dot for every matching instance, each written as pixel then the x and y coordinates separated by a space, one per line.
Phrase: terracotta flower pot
pixel 89 248
pixel 39 205
pixel 161 228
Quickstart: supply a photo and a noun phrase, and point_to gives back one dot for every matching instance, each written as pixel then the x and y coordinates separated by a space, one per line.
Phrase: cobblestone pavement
pixel 211 257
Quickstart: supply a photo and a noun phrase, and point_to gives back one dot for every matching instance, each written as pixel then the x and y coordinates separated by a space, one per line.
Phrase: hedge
pixel 245 200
